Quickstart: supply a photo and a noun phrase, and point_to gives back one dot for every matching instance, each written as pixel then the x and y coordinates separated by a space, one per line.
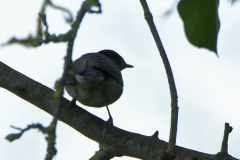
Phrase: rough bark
pixel 113 141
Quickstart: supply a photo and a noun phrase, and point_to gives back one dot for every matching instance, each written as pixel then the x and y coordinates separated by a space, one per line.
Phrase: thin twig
pixel 173 91
pixel 68 58
pixel 70 16
pixel 228 129
pixel 60 84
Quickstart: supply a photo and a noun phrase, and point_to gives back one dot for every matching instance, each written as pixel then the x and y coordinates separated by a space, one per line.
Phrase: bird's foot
pixel 73 102
pixel 109 121
pixel 107 126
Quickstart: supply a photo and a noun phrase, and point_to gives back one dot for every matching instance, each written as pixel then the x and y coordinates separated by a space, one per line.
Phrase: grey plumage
pixel 95 79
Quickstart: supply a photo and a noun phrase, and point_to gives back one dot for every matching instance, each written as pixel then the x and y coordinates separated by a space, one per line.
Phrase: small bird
pixel 95 79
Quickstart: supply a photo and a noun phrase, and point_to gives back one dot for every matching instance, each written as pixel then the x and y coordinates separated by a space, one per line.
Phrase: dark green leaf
pixel 201 22
pixel 14 136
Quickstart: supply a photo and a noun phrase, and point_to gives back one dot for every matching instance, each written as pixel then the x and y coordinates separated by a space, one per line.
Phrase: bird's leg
pixel 73 101
pixel 110 119
pixel 108 124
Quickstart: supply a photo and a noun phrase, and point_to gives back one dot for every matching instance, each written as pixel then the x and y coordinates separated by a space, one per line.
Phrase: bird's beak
pixel 128 66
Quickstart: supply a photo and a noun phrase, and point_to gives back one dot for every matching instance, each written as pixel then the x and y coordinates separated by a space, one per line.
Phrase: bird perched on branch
pixel 95 79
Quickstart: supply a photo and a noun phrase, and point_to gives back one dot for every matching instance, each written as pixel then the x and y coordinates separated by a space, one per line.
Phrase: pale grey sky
pixel 208 87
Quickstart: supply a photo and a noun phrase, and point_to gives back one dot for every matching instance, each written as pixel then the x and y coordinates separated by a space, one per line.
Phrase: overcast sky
pixel 208 87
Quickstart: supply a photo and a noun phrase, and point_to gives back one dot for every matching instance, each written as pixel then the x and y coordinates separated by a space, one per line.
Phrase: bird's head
pixel 114 56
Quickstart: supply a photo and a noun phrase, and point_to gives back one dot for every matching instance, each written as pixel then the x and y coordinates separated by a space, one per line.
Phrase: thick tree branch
pixel 114 140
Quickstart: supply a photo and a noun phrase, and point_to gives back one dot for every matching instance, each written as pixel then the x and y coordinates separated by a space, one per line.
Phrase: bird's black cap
pixel 112 55
pixel 115 57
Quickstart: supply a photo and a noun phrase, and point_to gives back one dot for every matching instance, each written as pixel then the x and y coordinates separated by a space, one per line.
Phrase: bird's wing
pixel 90 78
pixel 108 67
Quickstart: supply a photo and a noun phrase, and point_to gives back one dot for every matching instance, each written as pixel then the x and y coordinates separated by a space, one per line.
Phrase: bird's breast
pixel 101 95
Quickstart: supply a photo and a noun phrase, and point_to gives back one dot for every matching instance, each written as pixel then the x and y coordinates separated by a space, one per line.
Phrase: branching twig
pixel 14 136
pixel 173 91
pixel 70 16
pixel 59 85
pixel 36 41
pixel 71 34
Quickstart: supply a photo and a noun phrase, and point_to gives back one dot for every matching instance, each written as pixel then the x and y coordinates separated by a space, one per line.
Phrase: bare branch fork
pixel 173 90
pixel 170 152
pixel 113 141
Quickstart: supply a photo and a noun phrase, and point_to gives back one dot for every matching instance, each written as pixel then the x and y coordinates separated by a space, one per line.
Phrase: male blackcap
pixel 95 79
